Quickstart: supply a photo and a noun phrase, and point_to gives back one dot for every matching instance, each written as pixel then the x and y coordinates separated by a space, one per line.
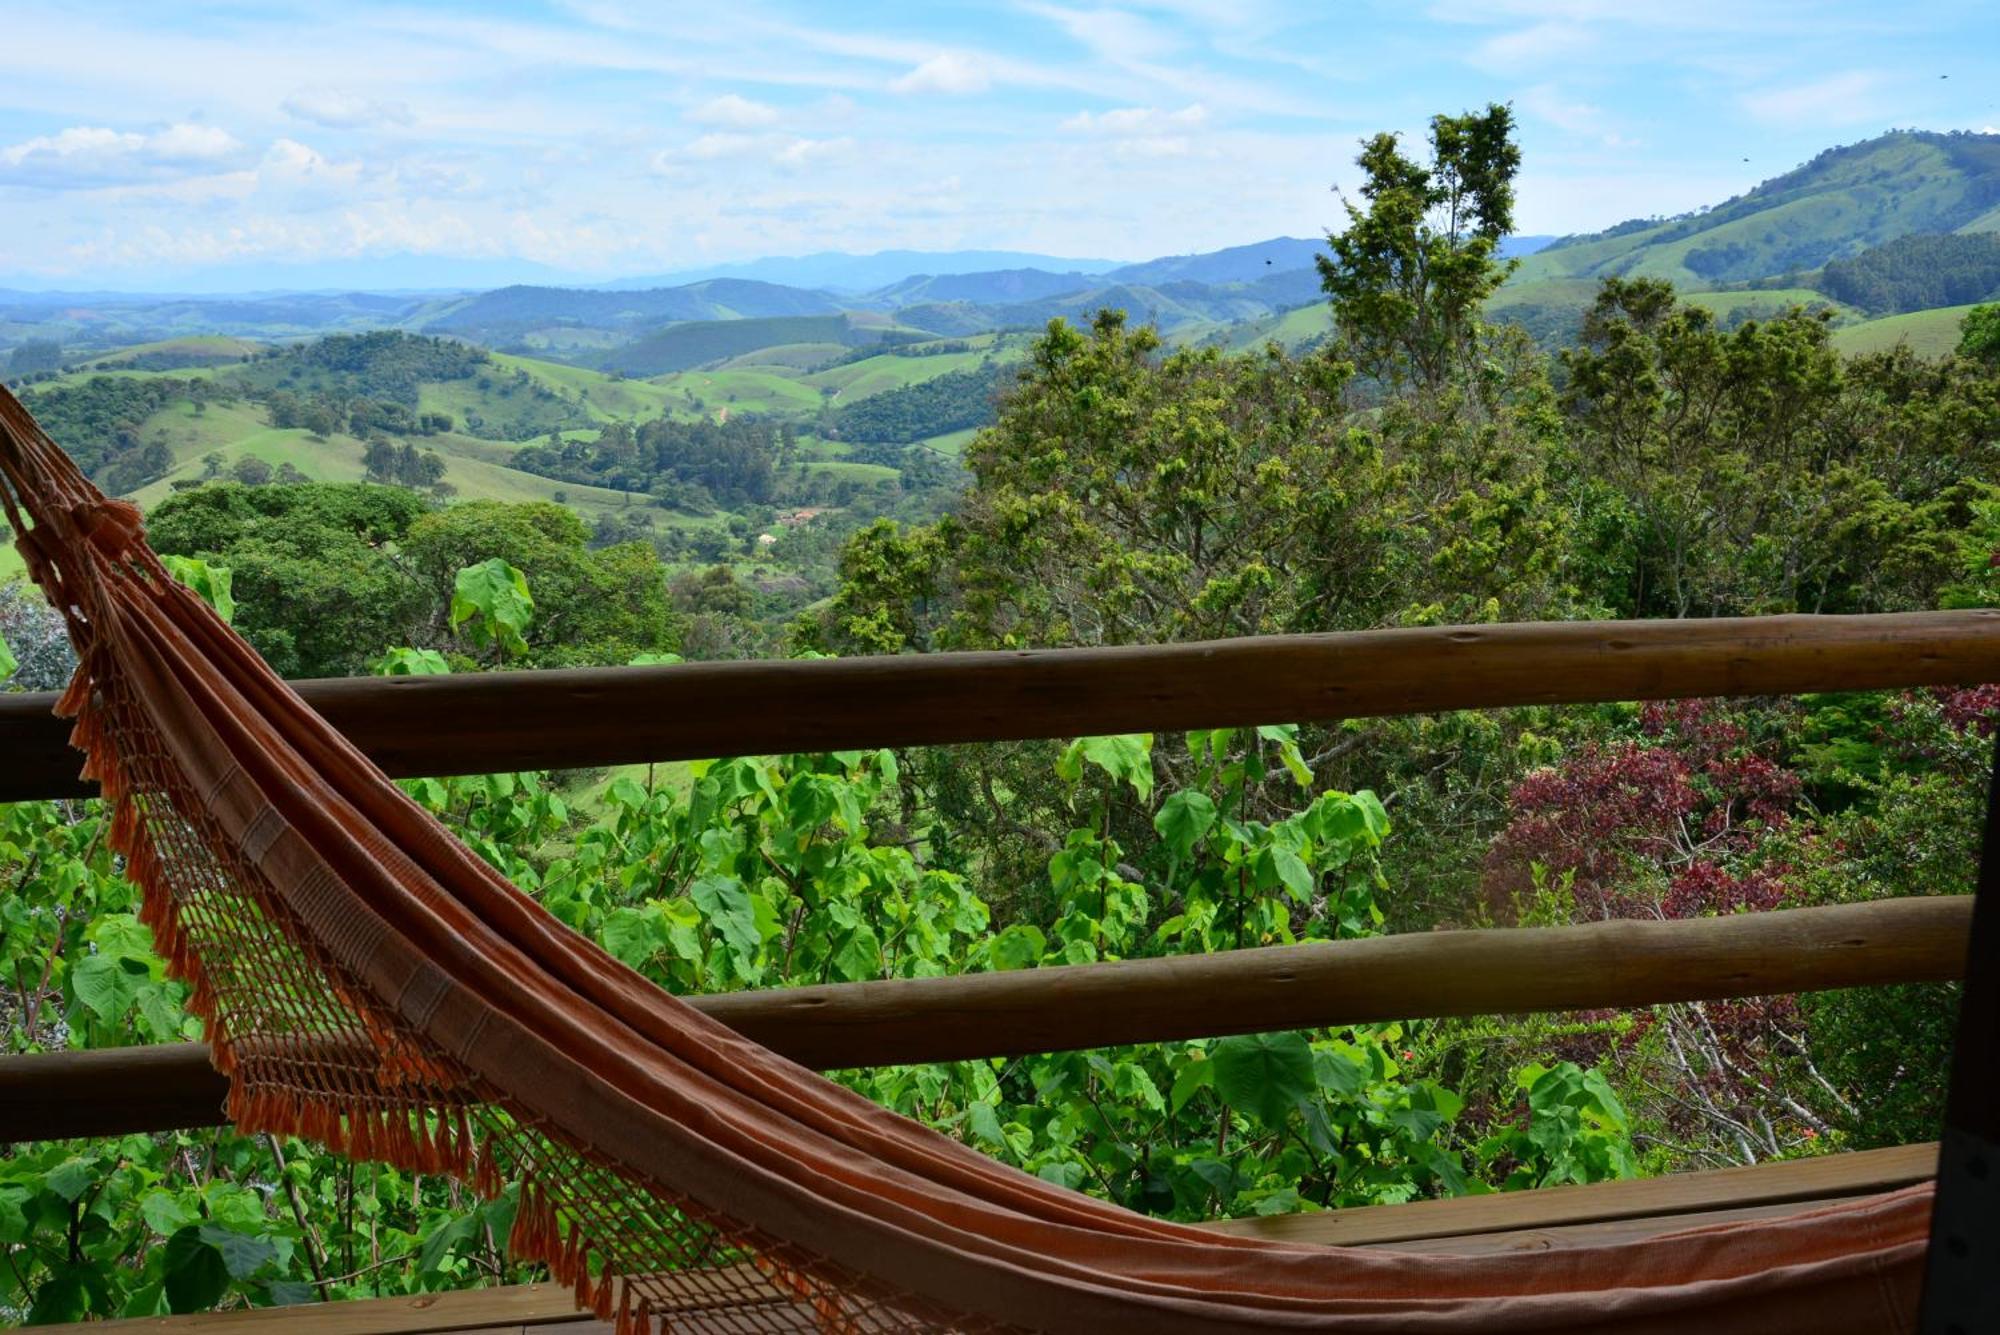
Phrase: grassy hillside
pixel 682 347
pixel 1929 333
pixel 177 354
pixel 476 469
pixel 792 356
pixel 1839 204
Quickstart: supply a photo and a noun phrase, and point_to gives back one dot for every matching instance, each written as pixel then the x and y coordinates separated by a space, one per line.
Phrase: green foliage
pixel 212 582
pixel 950 402
pixel 326 577
pixel 8 663
pixel 1755 471
pixel 101 421
pixel 1980 334
pixel 1127 497
pixel 600 606
pixel 1577 1131
pixel 491 600
pixel 318 588
pixel 1408 274
pixel 1915 273
pixel 690 466
pixel 681 347
pixel 411 663
pixel 388 365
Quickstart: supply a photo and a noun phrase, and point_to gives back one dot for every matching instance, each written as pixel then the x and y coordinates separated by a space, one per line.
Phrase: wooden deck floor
pixel 1526 1221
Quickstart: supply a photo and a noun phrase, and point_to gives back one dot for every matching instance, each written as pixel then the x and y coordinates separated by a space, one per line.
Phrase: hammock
pixel 368 983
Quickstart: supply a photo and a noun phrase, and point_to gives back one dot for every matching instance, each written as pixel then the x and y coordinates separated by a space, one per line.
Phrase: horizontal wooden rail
pixel 1512 1222
pixel 589 717
pixel 1418 975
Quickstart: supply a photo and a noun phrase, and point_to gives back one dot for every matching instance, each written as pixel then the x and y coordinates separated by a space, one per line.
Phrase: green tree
pixel 1755 470
pixel 1408 274
pixel 1980 334
pixel 251 471
pixel 602 606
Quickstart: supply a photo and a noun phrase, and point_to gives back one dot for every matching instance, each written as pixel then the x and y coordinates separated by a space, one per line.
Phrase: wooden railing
pixel 610 716
pixel 422 726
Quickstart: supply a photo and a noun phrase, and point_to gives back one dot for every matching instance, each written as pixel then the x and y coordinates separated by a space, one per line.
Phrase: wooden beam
pixel 1417 975
pixel 1527 1220
pixel 1826 1177
pixel 583 718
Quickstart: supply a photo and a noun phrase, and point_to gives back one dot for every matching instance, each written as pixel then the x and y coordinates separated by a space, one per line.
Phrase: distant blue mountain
pixel 837 271
pixel 386 273
pixel 1236 264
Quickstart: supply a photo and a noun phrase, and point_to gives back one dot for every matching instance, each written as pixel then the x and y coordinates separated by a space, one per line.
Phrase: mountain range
pixel 1743 256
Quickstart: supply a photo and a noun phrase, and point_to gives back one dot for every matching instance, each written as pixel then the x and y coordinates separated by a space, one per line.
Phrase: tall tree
pixel 1408 274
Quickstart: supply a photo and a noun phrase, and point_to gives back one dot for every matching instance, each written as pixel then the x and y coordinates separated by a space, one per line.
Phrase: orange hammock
pixel 368 983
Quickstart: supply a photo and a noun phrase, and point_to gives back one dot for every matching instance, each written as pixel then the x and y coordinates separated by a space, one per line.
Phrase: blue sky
pixel 257 143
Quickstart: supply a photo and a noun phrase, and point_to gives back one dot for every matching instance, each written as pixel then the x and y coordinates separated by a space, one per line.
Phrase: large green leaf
pixel 634 935
pixel 492 598
pixel 1265 1075
pixel 726 905
pixel 1183 820
pixel 1017 947
pixel 103 983
pixel 196 1276
pixel 242 1254
pixel 8 663
pixel 212 583
pixel 62 1298
pixel 412 663
pixel 1127 757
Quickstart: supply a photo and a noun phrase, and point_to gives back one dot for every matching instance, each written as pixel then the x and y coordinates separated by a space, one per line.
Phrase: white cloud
pixel 734 111
pixel 335 109
pixel 1137 120
pixel 1114 34
pixel 720 145
pixel 292 166
pixel 1531 47
pixel 1836 100
pixel 947 72
pixel 85 156
pixel 1546 102
pixel 798 154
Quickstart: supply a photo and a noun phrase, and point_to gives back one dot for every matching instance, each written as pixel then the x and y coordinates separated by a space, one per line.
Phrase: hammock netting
pixel 368 983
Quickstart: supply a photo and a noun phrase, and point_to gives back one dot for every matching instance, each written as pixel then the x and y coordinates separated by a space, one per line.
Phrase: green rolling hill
pixel 1930 333
pixel 1839 204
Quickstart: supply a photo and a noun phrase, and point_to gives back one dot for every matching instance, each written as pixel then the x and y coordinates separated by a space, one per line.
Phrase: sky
pixel 260 143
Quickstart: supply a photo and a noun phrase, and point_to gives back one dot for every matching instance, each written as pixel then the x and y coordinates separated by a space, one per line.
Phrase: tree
pixel 317 592
pixel 1756 470
pixel 37 354
pixel 1408 274
pixel 251 471
pixel 601 606
pixel 1979 338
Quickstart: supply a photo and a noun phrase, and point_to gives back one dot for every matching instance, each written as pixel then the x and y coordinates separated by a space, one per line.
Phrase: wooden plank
pixel 1555 1218
pixel 1566 1237
pixel 1418 975
pixel 518 1307
pixel 568 719
pixel 1826 1177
